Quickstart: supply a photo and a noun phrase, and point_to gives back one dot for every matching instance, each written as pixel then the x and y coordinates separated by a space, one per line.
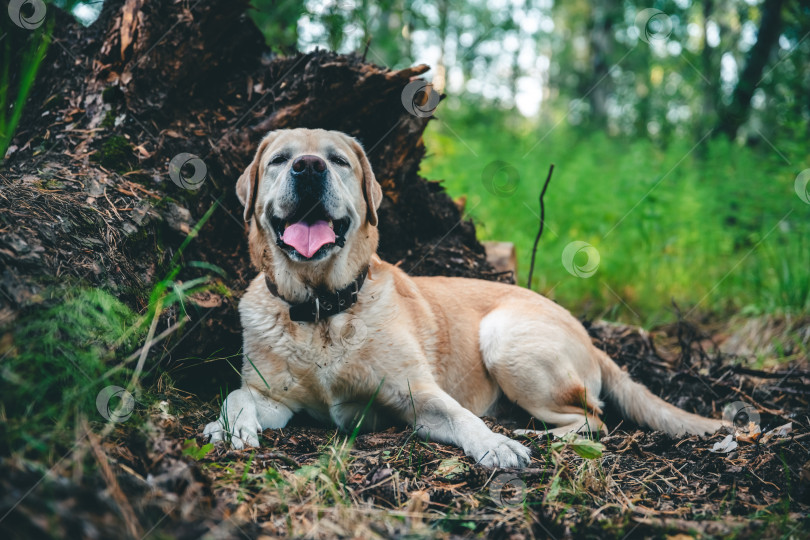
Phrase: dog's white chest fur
pixel 311 366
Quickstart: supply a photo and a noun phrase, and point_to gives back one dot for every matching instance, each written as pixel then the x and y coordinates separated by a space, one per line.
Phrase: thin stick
pixel 542 222
pixel 160 337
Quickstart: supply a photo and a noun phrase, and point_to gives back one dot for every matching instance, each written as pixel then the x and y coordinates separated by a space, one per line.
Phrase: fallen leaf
pixel 725 446
pixel 129 22
pixel 778 433
pixel 750 433
pixel 451 467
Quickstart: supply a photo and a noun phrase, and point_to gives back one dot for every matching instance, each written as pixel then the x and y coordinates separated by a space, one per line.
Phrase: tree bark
pixel 86 199
pixel 709 101
pixel 769 29
pixel 601 21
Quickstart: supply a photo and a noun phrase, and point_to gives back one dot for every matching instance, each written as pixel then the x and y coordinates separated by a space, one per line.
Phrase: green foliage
pixel 278 21
pixel 584 448
pixel 662 70
pixel 109 120
pixel 327 477
pixel 195 452
pixel 719 231
pixel 22 52
pixel 58 364
pixel 57 358
pixel 22 55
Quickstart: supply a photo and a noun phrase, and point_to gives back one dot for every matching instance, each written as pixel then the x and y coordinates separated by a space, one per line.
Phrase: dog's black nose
pixel 309 179
pixel 307 165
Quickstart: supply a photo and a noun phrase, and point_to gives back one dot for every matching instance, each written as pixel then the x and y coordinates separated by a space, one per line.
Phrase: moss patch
pixel 109 120
pixel 116 153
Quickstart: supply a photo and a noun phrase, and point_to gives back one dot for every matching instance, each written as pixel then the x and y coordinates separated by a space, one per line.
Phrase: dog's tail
pixel 645 408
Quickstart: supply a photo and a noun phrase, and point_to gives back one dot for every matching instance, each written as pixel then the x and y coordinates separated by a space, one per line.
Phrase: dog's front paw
pixel 243 433
pixel 500 451
pixel 238 422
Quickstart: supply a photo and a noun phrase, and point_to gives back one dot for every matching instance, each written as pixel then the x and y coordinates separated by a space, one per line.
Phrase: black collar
pixel 325 304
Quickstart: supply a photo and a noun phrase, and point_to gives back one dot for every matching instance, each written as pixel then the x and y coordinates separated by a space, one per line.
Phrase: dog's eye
pixel 279 159
pixel 337 160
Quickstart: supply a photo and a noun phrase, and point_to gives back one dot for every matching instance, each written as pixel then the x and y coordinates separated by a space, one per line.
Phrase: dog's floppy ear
pixel 248 184
pixel 371 188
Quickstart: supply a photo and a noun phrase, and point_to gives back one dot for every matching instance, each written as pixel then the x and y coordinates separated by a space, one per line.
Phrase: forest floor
pixel 150 475
pixel 160 479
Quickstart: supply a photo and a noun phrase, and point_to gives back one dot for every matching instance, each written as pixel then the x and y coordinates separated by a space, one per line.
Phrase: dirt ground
pixel 307 480
pixel 91 157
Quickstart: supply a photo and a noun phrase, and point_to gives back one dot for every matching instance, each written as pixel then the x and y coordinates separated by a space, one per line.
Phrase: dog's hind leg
pixel 542 370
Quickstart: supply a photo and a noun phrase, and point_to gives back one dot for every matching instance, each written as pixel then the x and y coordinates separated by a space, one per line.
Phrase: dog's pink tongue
pixel 307 239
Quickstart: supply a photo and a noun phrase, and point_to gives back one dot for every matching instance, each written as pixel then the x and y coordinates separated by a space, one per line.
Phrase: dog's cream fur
pixel 431 351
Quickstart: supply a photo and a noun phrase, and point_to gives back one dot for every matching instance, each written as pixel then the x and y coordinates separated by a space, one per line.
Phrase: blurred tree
pixel 709 72
pixel 769 29
pixel 604 16
pixel 708 68
pixel 278 21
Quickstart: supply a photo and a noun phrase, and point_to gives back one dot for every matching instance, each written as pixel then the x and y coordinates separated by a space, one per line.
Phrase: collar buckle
pixel 311 310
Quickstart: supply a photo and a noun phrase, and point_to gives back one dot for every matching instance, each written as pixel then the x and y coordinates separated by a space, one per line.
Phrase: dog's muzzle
pixel 310 231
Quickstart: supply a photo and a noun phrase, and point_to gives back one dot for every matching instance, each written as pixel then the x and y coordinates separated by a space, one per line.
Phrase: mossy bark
pixel 87 198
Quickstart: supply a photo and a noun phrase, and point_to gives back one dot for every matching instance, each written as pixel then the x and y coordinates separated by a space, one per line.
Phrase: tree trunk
pixel 710 86
pixel 603 14
pixel 87 199
pixel 769 28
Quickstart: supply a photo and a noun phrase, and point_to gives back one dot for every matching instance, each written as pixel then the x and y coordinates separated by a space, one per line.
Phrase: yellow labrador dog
pixel 329 328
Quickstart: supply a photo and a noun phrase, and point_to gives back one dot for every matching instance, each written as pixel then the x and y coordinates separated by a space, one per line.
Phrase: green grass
pixel 22 53
pixel 19 86
pixel 715 226
pixel 57 366
pixel 59 355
